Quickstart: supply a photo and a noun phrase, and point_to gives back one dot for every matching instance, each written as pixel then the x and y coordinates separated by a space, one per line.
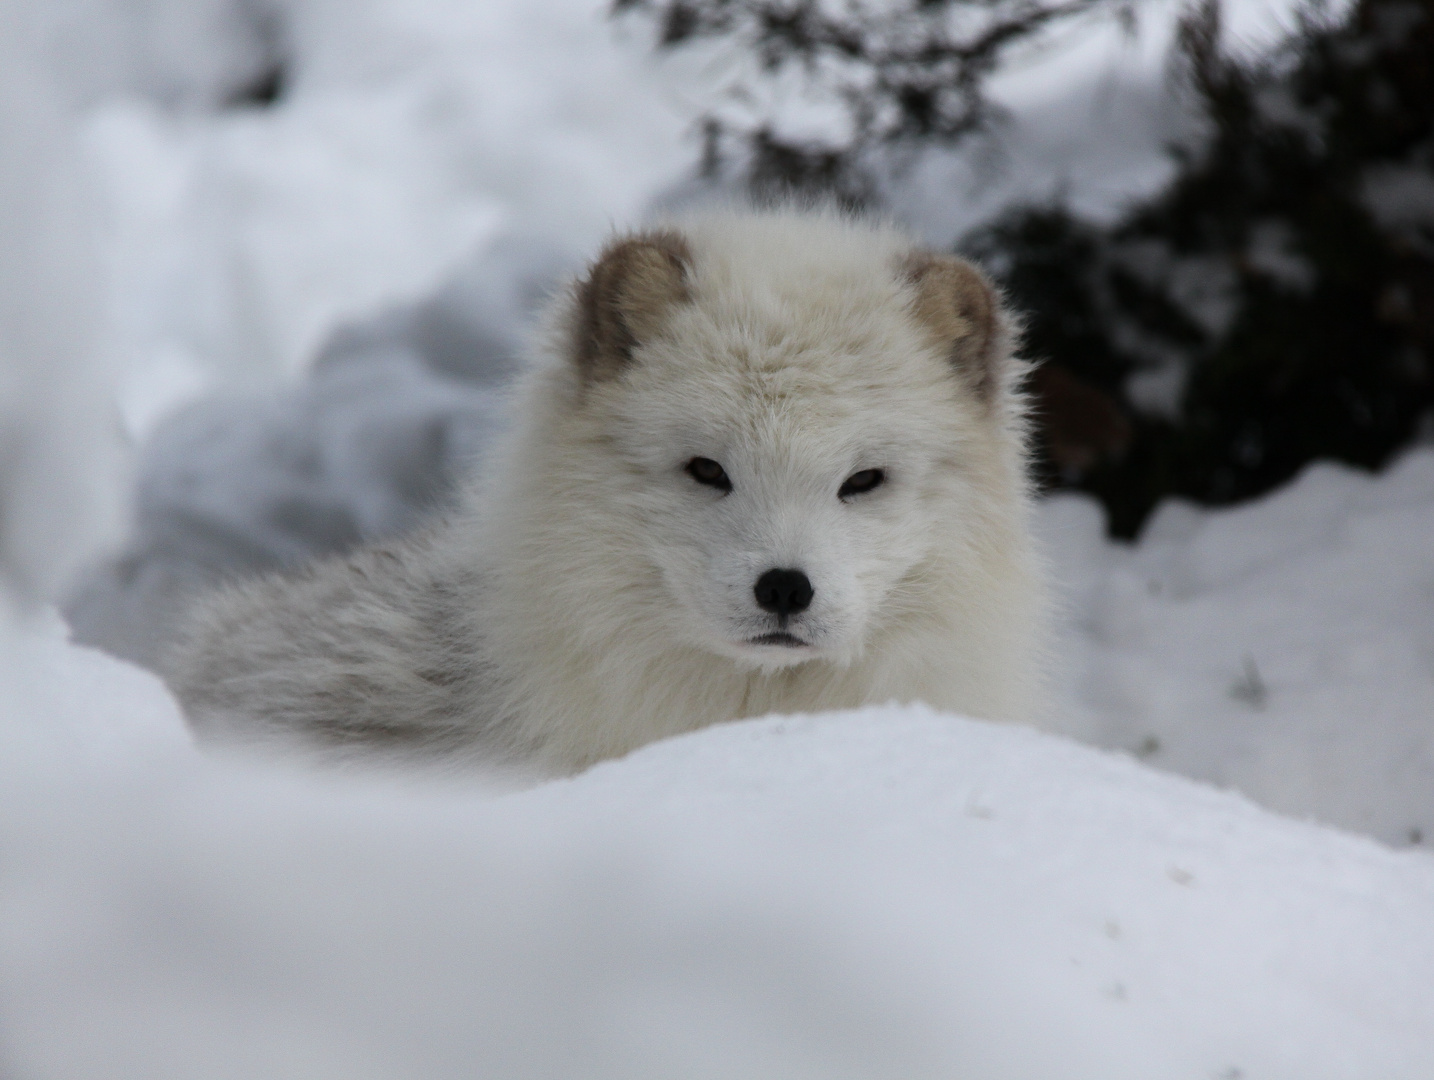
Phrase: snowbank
pixel 62 462
pixel 408 136
pixel 1283 647
pixel 371 443
pixel 884 893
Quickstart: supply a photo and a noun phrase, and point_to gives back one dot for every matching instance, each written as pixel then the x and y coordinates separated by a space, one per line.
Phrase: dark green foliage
pixel 1287 271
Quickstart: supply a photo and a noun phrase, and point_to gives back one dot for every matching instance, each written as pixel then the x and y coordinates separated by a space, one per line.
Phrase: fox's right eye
pixel 706 471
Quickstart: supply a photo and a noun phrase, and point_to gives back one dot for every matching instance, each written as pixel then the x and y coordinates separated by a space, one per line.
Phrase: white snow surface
pixel 1284 647
pixel 889 892
pixel 62 459
pixel 411 134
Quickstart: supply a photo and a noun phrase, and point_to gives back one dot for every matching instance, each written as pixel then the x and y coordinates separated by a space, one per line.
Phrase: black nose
pixel 784 592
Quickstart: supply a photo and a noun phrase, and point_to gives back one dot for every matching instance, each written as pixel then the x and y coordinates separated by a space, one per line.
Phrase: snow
pixel 877 893
pixel 889 892
pixel 1283 648
pixel 413 135
pixel 62 462
pixel 374 440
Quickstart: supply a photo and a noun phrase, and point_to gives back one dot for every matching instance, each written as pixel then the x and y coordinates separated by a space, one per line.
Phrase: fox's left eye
pixel 862 482
pixel 706 471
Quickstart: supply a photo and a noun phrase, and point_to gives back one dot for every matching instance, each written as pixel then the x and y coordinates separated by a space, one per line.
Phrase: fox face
pixel 786 451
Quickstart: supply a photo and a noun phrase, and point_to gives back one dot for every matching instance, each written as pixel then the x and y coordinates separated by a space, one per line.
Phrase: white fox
pixel 762 462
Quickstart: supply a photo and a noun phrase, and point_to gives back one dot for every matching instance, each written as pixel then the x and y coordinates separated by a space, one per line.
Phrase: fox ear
pixel 626 297
pixel 961 310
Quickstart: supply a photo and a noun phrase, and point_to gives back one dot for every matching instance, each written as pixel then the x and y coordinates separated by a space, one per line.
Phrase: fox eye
pixel 706 471
pixel 861 482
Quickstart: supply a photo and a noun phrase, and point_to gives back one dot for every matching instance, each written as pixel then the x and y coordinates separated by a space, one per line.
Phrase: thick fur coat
pixel 768 462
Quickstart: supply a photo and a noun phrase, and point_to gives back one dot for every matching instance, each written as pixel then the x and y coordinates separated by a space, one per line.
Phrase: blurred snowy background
pixel 264 267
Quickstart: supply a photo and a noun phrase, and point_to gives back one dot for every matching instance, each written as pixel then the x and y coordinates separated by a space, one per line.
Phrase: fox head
pixel 784 422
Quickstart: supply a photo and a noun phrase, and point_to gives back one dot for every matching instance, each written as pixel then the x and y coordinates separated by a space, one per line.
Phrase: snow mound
pixel 1283 647
pixel 407 135
pixel 889 892
pixel 397 409
pixel 62 459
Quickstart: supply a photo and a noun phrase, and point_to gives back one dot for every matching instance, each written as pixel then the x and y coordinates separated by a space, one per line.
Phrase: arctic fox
pixel 762 462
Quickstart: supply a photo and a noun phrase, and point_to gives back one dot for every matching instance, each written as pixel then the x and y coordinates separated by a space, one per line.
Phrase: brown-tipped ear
pixel 626 296
pixel 960 309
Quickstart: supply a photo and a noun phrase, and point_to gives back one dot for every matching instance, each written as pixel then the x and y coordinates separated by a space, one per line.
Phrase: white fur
pixel 592 597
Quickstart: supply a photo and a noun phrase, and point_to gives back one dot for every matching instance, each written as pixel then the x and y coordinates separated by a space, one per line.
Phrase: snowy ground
pixel 881 893
pixel 1284 648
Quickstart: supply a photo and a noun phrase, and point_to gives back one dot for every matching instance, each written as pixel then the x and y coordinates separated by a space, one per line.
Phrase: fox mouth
pixel 781 638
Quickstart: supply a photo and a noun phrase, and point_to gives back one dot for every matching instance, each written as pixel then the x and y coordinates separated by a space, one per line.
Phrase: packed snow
pixel 1284 648
pixel 62 458
pixel 885 892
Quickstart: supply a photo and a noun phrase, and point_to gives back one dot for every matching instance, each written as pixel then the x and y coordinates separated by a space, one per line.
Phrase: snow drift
pixel 889 892
pixel 1283 647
